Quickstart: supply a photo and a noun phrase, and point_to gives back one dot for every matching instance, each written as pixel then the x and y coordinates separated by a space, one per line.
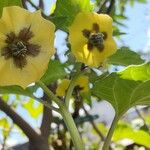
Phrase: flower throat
pixel 18 47
pixel 95 37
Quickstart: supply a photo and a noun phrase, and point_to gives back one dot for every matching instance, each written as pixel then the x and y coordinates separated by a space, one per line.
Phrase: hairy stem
pixel 72 128
pixel 70 89
pixel 66 116
pixel 110 134
pixel 45 103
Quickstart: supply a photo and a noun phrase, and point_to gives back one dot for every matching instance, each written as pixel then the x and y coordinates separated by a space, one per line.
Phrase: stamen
pixel 96 39
pixel 18 49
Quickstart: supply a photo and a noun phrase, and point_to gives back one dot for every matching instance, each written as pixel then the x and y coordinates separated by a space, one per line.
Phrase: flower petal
pixel 83 81
pixel 62 87
pixel 43 28
pixel 16 18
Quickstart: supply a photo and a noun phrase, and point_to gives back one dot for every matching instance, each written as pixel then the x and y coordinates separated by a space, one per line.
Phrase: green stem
pixel 49 93
pixel 45 103
pixel 66 117
pixel 70 89
pixel 72 128
pixel 110 133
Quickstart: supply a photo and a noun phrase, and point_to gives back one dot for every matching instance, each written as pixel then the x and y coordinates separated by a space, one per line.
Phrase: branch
pixel 46 121
pixel 18 120
pixel 102 4
pixel 24 3
pixel 46 104
pixel 41 4
pixel 38 8
pixel 94 125
pixel 47 114
pixel 140 115
pixel 112 2
pixel 33 5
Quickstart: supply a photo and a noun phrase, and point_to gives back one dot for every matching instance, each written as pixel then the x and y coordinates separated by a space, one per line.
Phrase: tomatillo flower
pixel 81 85
pixel 90 36
pixel 26 46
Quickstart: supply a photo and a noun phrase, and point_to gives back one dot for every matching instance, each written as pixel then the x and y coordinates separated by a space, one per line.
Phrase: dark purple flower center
pixel 18 47
pixel 95 37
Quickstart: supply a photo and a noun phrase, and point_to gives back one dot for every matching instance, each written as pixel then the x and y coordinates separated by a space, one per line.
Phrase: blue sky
pixel 138 26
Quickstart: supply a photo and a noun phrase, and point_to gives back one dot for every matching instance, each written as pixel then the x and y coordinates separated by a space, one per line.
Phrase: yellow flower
pixel 90 37
pixel 82 85
pixel 62 87
pixel 26 46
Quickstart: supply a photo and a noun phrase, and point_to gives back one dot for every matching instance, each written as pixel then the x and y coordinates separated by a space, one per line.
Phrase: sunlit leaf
pixel 102 128
pixel 34 109
pixel 5 126
pixel 5 97
pixel 136 72
pixel 124 131
pixel 122 94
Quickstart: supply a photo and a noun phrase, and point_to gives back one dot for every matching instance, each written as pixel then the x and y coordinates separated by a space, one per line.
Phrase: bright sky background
pixel 137 38
pixel 138 27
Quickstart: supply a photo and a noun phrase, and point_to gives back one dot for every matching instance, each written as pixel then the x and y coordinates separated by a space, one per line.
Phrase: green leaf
pixel 66 10
pixel 93 76
pixel 142 1
pixel 4 3
pixel 54 72
pixel 15 90
pixel 87 98
pixel 34 109
pixel 136 72
pixel 5 97
pixel 118 33
pixel 4 124
pixel 132 2
pixel 122 94
pixel 125 57
pixel 124 131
